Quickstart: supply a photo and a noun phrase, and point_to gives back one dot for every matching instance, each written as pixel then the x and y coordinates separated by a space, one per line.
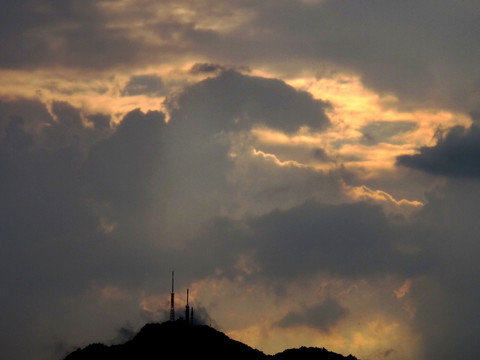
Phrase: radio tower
pixel 172 301
pixel 187 311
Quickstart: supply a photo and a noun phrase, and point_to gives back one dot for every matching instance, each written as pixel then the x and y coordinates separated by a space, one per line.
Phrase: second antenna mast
pixel 172 299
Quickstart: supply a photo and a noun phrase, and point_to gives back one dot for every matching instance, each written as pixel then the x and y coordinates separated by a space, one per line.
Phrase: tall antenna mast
pixel 172 300
pixel 187 311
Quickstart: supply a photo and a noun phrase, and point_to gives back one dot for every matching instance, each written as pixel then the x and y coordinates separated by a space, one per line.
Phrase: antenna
pixel 172 299
pixel 187 311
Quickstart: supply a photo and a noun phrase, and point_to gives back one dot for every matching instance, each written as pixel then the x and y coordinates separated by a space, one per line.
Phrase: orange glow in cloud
pixel 343 143
pixel 111 292
pixel 279 138
pixel 274 159
pixel 153 304
pixel 219 16
pixel 404 289
pixel 369 329
pixel 387 201
pixel 354 107
pixel 92 93
pixel 371 161
pixel 371 339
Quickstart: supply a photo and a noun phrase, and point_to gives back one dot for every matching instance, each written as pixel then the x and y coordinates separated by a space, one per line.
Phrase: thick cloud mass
pixel 351 241
pixel 439 249
pixel 455 155
pixel 46 219
pixel 53 32
pixel 420 51
pixel 424 53
pixel 446 298
pixel 53 243
pixel 209 151
pixel 112 168
pixel 233 101
pixel 87 205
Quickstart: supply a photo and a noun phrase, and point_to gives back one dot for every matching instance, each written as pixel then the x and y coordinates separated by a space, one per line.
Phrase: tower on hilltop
pixel 187 311
pixel 172 300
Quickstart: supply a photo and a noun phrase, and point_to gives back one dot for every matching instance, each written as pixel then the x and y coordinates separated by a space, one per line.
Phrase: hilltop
pixel 159 340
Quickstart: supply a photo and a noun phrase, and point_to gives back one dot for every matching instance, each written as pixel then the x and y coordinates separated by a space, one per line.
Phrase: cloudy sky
pixel 309 168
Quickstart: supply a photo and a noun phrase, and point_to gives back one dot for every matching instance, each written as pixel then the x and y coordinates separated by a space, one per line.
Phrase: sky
pixel 308 168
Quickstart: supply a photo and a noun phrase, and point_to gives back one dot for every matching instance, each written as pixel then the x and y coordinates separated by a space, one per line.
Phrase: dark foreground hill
pixel 180 341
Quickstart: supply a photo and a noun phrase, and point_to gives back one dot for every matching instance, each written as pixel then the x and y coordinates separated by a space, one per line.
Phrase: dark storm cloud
pixel 322 316
pixel 61 127
pixel 233 101
pixel 151 85
pixel 61 178
pixel 447 298
pixel 313 237
pixel 52 173
pixel 23 108
pixel 439 250
pixel 423 52
pixel 46 233
pixel 79 34
pixel 100 121
pixel 53 245
pixel 87 203
pixel 456 154
pixel 350 240
pixel 438 247
pixel 57 32
pixel 113 170
pixel 204 120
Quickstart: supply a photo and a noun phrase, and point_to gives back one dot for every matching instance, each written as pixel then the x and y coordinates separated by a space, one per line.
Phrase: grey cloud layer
pixel 439 250
pixel 64 183
pixel 351 240
pixel 68 33
pixel 426 53
pixel 96 205
pixel 423 52
pixel 53 246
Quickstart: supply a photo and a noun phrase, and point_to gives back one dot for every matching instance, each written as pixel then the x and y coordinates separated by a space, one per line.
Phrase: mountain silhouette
pixel 179 340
